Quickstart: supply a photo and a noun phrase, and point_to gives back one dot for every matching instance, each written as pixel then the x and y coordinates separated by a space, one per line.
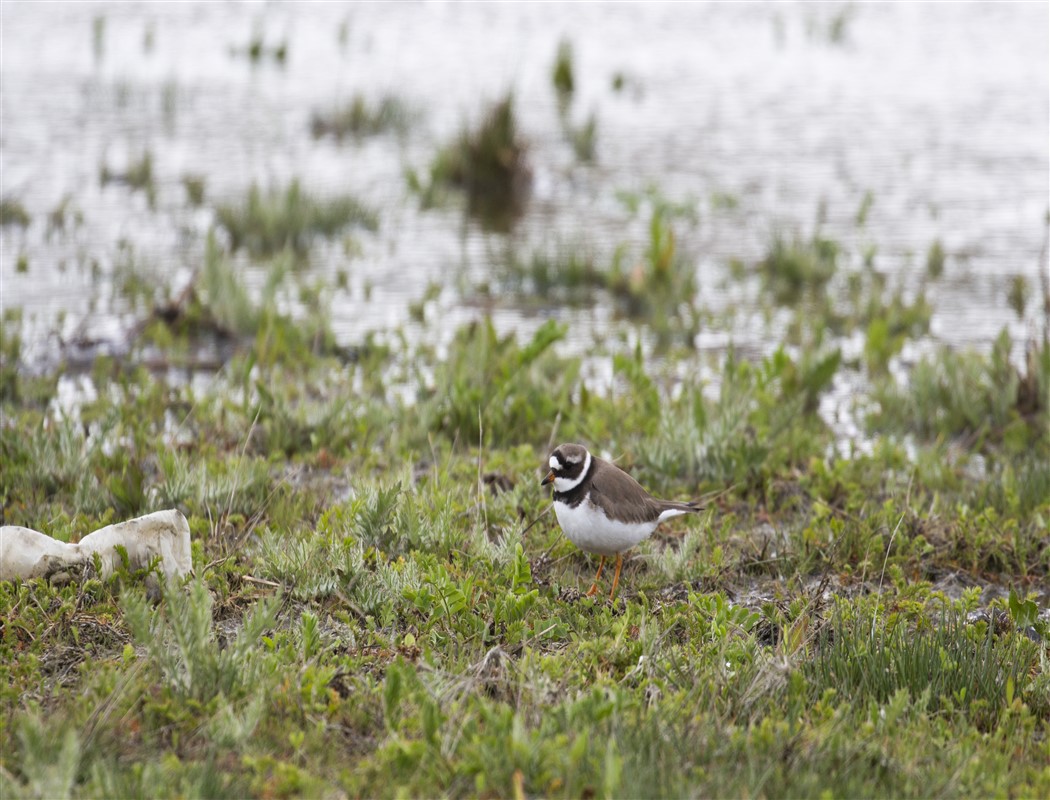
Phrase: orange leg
pixel 594 586
pixel 616 577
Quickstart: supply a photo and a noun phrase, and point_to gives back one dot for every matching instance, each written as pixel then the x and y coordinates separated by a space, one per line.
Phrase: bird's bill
pixel 548 479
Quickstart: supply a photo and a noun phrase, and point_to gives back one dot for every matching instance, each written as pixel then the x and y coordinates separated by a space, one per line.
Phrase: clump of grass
pixel 864 302
pixel 935 259
pixel 559 274
pixel 659 284
pixel 889 324
pixel 225 296
pixel 360 118
pixel 182 645
pixel 133 281
pixel 562 74
pixel 490 164
pixel 763 421
pixel 49 758
pixel 833 27
pixel 655 284
pixel 58 219
pixel 267 223
pixel 583 138
pixel 138 175
pixel 1017 295
pixel 492 385
pixel 10 353
pixel 258 50
pixel 218 313
pixel 12 212
pixel 864 209
pixel 983 398
pixel 946 666
pixel 724 201
pixel 796 268
pixel 51 462
pixel 194 186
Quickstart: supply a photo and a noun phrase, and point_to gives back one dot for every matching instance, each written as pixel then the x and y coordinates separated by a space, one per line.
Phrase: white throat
pixel 568 484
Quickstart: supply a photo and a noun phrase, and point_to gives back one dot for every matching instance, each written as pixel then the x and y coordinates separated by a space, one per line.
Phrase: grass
pixel 489 164
pixel 563 73
pixel 1017 295
pixel 360 118
pixel 983 399
pixel 267 223
pixel 369 615
pixel 12 212
pixel 63 217
pixel 935 259
pixel 195 187
pixel 795 268
pixel 653 282
pixel 258 50
pixel 138 176
pixel 557 274
pixel 582 138
pixel 383 605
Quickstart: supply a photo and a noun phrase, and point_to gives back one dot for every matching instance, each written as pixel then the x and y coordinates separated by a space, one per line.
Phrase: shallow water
pixel 941 111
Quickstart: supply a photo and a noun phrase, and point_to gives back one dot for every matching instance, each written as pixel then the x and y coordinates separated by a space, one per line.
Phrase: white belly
pixel 589 529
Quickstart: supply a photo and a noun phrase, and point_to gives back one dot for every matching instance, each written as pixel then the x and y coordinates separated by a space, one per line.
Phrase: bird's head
pixel 568 463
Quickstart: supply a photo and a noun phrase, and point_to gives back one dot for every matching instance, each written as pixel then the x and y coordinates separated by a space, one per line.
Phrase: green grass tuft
pixel 359 118
pixel 12 212
pixel 490 164
pixel 290 219
pixel 798 268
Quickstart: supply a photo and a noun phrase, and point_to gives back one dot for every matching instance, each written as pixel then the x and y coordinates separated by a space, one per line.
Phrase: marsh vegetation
pixel 382 604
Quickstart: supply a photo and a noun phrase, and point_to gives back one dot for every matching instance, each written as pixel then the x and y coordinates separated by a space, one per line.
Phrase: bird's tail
pixel 684 508
pixel 672 508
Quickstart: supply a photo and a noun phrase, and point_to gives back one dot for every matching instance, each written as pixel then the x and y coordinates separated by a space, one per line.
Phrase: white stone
pixel 25 553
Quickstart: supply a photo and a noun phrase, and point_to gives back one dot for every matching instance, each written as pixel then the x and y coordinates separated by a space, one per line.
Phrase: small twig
pixel 237 475
pixel 261 581
pixel 554 431
pixel 541 515
pixel 481 482
pixel 886 559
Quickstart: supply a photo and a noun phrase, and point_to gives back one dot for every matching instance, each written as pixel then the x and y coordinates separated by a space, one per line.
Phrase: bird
pixel 602 509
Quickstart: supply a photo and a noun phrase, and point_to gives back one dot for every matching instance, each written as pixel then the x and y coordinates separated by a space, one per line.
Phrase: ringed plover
pixel 601 508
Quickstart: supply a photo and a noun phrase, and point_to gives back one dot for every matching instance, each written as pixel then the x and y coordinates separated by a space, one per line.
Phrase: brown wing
pixel 611 485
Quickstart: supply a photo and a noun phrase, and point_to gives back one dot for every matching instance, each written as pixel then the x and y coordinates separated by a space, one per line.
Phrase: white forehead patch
pixel 555 464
